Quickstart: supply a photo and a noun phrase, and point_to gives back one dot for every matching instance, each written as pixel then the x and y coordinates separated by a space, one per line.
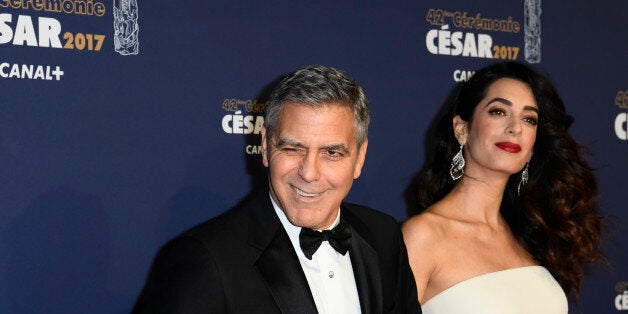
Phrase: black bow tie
pixel 339 238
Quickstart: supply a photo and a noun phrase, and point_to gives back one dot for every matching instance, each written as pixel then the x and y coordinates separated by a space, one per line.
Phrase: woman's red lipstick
pixel 509 147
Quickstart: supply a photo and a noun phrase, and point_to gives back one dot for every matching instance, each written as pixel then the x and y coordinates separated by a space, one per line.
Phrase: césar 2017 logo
pixel 48 35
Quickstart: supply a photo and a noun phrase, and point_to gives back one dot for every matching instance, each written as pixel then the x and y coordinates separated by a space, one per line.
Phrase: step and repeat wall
pixel 125 122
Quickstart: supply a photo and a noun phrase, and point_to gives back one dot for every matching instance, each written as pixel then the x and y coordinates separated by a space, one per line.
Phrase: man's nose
pixel 309 169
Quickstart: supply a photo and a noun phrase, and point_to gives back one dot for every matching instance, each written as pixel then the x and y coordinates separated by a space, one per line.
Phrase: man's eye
pixel 334 154
pixel 291 150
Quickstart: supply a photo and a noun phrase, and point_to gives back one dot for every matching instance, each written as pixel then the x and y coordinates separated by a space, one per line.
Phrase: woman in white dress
pixel 508 212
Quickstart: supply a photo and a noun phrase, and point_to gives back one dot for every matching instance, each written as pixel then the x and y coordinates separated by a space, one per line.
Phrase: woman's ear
pixel 461 129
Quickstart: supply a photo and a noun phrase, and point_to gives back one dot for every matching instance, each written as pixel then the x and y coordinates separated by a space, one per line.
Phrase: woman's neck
pixel 479 200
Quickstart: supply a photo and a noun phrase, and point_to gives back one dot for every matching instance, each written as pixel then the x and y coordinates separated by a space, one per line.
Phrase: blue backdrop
pixel 122 123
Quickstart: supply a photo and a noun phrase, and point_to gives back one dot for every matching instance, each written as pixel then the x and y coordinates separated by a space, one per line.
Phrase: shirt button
pixel 331 274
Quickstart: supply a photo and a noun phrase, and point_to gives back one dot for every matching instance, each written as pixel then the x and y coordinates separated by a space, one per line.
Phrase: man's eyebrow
pixel 340 147
pixel 284 141
pixel 509 103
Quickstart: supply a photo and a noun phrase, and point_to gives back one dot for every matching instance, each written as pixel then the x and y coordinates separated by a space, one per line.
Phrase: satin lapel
pixel 278 264
pixel 366 267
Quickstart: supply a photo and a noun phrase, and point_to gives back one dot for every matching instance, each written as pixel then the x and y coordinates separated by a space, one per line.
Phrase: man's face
pixel 313 159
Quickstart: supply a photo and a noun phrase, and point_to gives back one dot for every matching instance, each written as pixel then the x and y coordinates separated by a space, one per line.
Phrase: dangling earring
pixel 524 178
pixel 457 165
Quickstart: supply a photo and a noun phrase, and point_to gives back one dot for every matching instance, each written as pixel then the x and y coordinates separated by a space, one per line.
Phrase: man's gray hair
pixel 318 86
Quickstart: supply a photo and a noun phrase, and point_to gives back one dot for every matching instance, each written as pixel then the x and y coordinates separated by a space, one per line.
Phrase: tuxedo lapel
pixel 278 264
pixel 366 269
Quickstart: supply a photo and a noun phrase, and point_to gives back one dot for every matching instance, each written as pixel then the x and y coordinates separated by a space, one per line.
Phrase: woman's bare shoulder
pixel 425 228
pixel 425 236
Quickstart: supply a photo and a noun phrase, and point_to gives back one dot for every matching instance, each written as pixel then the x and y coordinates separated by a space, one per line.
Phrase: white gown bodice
pixel 523 290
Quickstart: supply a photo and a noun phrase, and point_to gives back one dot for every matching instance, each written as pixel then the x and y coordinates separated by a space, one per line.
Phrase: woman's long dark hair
pixel 556 215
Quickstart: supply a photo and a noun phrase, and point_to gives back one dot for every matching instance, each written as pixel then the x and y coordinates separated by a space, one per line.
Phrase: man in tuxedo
pixel 296 248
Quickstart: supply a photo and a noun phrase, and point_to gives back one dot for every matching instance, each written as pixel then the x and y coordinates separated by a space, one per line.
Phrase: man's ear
pixel 461 129
pixel 264 147
pixel 360 159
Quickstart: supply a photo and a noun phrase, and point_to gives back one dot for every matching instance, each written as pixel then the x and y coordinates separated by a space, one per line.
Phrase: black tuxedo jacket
pixel 243 262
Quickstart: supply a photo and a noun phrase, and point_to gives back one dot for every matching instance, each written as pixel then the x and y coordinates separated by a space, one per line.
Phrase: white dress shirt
pixel 329 274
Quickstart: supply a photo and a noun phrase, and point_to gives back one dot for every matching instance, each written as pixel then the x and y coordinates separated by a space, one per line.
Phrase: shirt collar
pixel 292 230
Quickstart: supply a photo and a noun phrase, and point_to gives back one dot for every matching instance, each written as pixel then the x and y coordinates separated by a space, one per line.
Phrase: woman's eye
pixel 531 120
pixel 496 111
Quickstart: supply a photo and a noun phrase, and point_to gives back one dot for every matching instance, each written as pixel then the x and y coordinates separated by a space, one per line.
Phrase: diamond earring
pixel 524 178
pixel 457 165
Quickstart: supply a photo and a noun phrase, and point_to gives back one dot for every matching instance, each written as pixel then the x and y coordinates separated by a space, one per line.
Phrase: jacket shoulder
pixel 375 226
pixel 369 216
pixel 235 225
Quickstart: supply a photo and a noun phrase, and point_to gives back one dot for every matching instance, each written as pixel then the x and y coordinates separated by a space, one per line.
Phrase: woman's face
pixel 501 136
